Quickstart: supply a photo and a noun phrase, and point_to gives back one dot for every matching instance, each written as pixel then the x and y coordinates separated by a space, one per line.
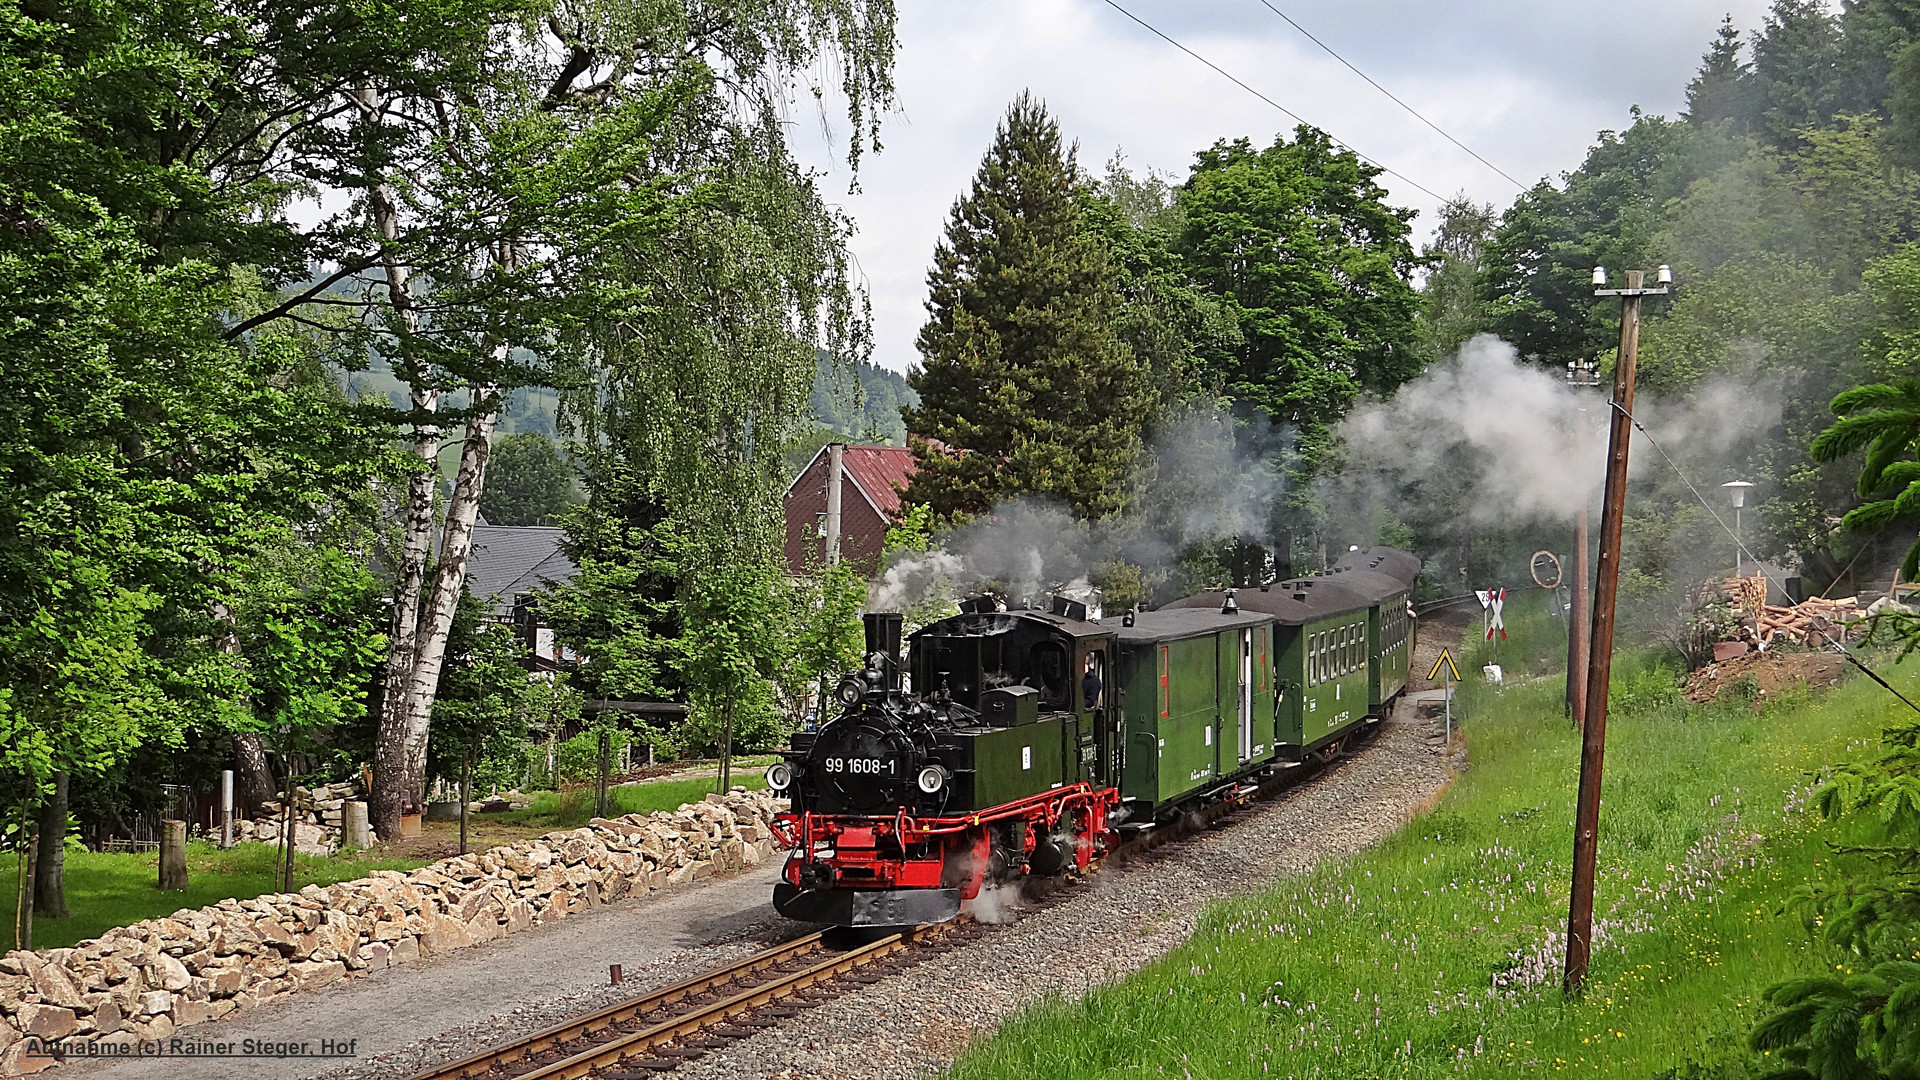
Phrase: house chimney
pixel 836 476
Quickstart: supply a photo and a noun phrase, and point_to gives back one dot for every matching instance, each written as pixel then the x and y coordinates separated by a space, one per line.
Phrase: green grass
pixel 573 808
pixel 108 890
pixel 1432 954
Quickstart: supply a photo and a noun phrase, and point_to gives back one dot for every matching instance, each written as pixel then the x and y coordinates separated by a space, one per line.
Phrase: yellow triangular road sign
pixel 1446 660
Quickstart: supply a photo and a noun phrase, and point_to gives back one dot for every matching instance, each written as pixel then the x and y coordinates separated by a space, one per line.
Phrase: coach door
pixel 1246 696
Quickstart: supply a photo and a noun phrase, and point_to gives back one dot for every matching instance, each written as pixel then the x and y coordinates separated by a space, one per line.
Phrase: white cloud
pixel 1525 85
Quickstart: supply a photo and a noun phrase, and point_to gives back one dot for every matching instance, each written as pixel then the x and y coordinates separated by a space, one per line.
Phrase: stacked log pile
pixel 1813 622
pixel 141 982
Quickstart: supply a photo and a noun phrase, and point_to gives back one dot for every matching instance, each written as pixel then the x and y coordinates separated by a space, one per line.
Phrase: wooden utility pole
pixel 1593 744
pixel 1580 613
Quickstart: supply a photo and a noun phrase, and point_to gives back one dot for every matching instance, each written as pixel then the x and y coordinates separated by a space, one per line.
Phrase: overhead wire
pixel 1742 548
pixel 1391 96
pixel 1230 77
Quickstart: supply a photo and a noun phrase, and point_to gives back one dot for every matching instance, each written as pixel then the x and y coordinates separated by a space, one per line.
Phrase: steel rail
pixel 567 1031
pixel 587 1061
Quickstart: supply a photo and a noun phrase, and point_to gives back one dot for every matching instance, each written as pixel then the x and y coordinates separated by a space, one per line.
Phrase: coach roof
pixel 1171 622
pixel 1392 562
pixel 1294 602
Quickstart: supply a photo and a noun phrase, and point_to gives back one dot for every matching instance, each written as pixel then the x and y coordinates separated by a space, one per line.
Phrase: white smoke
pixel 996 903
pixel 913 578
pixel 1207 478
pixel 1514 439
pixel 1508 431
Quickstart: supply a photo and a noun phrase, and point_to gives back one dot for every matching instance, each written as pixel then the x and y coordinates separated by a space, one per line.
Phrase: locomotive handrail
pixel 906 825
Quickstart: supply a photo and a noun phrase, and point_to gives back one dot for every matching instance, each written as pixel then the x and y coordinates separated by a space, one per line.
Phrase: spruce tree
pixel 1722 90
pixel 1024 381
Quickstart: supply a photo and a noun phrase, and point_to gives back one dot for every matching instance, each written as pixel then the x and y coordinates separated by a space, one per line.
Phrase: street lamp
pixel 1737 492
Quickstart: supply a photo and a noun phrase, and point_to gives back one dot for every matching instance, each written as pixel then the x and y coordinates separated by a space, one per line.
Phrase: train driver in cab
pixel 1090 685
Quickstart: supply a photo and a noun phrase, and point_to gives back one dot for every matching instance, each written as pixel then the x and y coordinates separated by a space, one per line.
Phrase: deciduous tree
pixel 528 481
pixel 1314 266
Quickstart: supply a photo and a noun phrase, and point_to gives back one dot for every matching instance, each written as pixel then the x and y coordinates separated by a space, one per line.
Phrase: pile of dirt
pixel 1771 672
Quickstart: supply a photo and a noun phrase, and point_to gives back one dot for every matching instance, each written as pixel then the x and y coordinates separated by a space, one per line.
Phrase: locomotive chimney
pixel 883 636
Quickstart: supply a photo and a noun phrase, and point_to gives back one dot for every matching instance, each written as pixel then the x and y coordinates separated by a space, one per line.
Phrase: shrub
pixel 579 757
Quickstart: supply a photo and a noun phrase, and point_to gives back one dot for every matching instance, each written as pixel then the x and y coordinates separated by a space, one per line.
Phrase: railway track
pixel 657 1031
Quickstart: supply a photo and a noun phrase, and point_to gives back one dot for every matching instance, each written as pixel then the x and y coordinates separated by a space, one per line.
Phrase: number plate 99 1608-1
pixel 860 766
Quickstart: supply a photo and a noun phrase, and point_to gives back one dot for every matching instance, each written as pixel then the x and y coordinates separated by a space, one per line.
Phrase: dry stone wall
pixel 140 982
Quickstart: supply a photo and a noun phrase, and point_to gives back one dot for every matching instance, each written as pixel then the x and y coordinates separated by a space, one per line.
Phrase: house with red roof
pixel 869 480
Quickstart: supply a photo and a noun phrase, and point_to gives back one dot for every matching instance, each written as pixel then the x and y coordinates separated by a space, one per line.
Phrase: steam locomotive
pixel 1009 743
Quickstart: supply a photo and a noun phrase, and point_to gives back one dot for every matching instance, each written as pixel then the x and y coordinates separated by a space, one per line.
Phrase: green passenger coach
pixel 1197 693
pixel 1342 642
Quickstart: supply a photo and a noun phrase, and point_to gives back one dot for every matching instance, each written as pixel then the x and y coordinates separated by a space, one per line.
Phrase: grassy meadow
pixel 1439 951
pixel 108 890
pixel 574 807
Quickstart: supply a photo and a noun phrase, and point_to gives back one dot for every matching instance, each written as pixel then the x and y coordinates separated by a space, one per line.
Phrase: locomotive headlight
pixel 932 779
pixel 850 690
pixel 779 776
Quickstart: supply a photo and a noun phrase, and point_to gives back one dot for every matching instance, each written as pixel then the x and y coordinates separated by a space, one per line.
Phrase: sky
pixel 1525 85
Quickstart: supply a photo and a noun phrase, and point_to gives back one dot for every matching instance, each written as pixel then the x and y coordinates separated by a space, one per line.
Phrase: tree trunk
pixel 418 638
pixel 602 766
pixel 49 868
pixel 726 748
pixel 466 794
pixel 286 833
pixel 456 546
pixel 253 777
pixel 393 782
pixel 173 856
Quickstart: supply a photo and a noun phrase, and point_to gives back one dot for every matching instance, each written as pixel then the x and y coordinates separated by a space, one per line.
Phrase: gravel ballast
pixel 1123 918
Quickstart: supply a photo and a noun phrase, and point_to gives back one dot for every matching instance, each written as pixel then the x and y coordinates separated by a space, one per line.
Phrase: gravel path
pixel 1123 919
